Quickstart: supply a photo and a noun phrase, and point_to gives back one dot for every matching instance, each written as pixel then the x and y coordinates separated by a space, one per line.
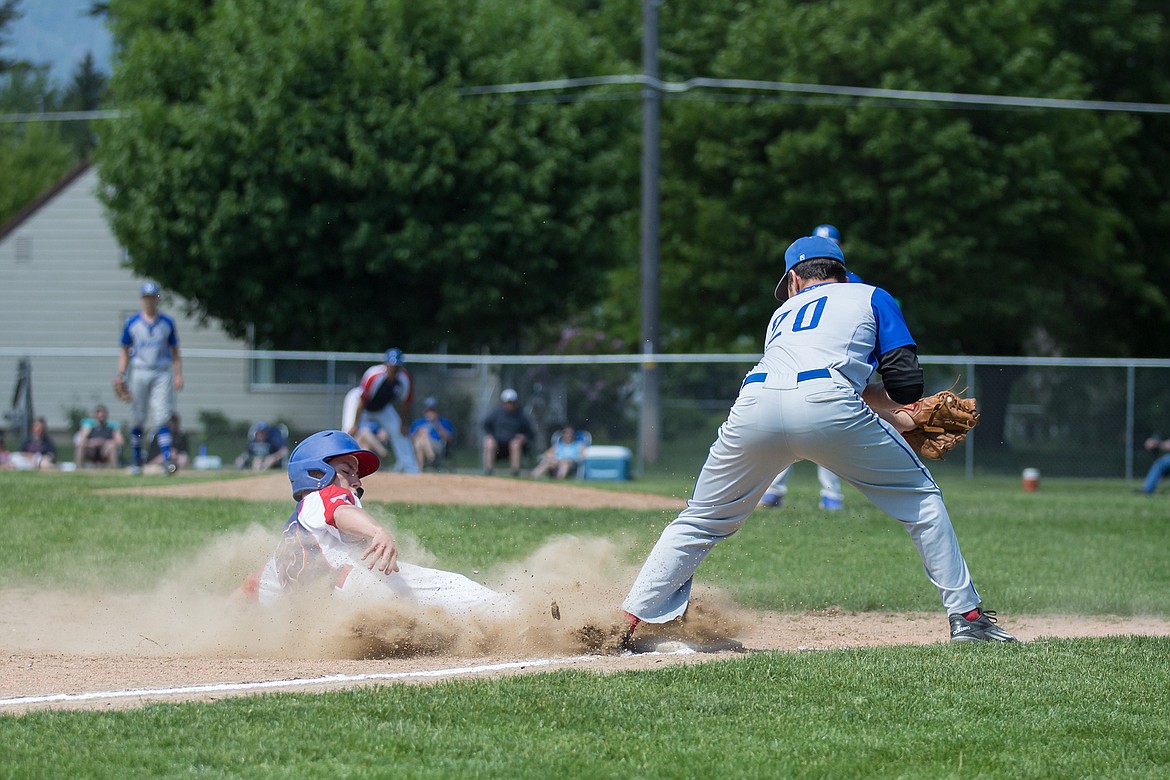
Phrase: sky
pixel 58 32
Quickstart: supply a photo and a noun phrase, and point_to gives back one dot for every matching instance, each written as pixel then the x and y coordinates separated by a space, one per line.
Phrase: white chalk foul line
pixel 294 683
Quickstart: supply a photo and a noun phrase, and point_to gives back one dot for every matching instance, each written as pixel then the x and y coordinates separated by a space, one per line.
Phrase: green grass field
pixel 1049 708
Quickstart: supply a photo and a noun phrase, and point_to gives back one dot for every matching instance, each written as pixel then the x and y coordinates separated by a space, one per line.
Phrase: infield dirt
pixel 188 632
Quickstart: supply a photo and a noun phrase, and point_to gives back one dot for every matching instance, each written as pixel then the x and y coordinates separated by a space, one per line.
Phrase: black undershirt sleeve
pixel 901 374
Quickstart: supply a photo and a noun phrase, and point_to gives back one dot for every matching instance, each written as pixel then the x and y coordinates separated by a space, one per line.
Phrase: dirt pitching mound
pixel 431 489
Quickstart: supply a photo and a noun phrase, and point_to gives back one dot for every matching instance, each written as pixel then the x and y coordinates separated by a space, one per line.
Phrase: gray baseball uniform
pixel 803 401
pixel 151 346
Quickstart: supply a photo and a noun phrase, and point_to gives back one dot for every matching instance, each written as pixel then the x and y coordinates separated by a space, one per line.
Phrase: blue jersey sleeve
pixel 173 338
pixel 891 325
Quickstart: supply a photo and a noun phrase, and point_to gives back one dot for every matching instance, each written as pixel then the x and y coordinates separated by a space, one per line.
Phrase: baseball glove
pixel 941 422
pixel 121 390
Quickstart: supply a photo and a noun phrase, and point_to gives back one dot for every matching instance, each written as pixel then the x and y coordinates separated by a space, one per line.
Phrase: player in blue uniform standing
pixel 810 398
pixel 832 499
pixel 150 353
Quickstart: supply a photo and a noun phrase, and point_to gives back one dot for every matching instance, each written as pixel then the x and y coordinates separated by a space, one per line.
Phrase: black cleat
pixel 981 629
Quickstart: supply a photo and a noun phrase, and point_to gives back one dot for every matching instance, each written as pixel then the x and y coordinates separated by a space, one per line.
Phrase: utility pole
pixel 651 429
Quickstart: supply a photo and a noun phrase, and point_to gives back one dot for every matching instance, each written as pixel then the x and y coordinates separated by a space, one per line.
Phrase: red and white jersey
pixel 380 391
pixel 312 545
pixel 315 514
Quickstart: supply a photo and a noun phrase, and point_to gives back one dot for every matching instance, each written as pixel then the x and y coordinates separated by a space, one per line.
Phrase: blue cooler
pixel 602 462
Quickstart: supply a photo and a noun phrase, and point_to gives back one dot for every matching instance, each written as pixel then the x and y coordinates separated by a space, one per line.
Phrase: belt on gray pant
pixel 813 373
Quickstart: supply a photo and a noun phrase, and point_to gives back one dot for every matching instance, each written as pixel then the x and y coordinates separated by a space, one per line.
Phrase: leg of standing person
pixel 743 462
pixel 141 381
pixel 1158 470
pixel 774 495
pixel 162 404
pixel 399 442
pixel 832 498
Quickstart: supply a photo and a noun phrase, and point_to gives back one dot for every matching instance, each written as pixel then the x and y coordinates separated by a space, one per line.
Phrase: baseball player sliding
pixel 810 398
pixel 330 542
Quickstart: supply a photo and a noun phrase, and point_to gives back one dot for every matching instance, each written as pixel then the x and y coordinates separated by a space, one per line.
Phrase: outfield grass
pixel 1051 708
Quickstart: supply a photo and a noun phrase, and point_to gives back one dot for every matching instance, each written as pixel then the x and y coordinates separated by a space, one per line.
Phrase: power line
pixel 729 89
pixel 61 116
pixel 958 98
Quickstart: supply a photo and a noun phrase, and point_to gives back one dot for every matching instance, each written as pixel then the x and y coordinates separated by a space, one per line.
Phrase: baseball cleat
pixel 171 467
pixel 832 504
pixel 136 470
pixel 772 501
pixel 982 629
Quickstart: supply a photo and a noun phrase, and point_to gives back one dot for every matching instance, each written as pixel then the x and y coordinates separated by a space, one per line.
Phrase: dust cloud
pixel 197 611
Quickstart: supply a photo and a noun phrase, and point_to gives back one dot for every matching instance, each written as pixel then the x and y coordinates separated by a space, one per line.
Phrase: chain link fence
pixel 1067 417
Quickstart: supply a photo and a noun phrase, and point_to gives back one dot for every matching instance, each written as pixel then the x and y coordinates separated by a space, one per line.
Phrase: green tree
pixel 32 155
pixel 84 93
pixel 312 170
pixel 1033 222
pixel 9 13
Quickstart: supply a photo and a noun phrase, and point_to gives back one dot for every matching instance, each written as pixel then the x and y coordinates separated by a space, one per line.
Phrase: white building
pixel 65 291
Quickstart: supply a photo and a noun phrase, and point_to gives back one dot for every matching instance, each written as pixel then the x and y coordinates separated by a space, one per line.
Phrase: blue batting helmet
pixel 829 232
pixel 308 469
pixel 394 357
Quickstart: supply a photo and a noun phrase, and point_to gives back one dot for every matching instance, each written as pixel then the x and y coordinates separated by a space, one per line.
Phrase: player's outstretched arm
pixel 382 552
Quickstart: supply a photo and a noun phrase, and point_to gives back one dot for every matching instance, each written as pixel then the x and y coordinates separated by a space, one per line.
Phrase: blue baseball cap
pixel 807 248
pixel 394 357
pixel 148 289
pixel 829 232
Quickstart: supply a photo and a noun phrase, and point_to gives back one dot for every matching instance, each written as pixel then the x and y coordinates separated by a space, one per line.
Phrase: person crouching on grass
pixel 331 538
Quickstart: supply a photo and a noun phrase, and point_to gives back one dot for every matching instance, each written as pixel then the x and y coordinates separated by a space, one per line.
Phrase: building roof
pixel 32 208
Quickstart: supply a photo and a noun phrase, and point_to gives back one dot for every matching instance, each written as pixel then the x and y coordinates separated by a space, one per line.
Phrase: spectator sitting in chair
pixel 431 434
pixel 507 431
pixel 180 446
pixel 99 441
pixel 266 449
pixel 564 456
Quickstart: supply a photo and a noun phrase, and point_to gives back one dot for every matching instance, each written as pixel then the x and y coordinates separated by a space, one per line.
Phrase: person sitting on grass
pixel 37 451
pixel 332 542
